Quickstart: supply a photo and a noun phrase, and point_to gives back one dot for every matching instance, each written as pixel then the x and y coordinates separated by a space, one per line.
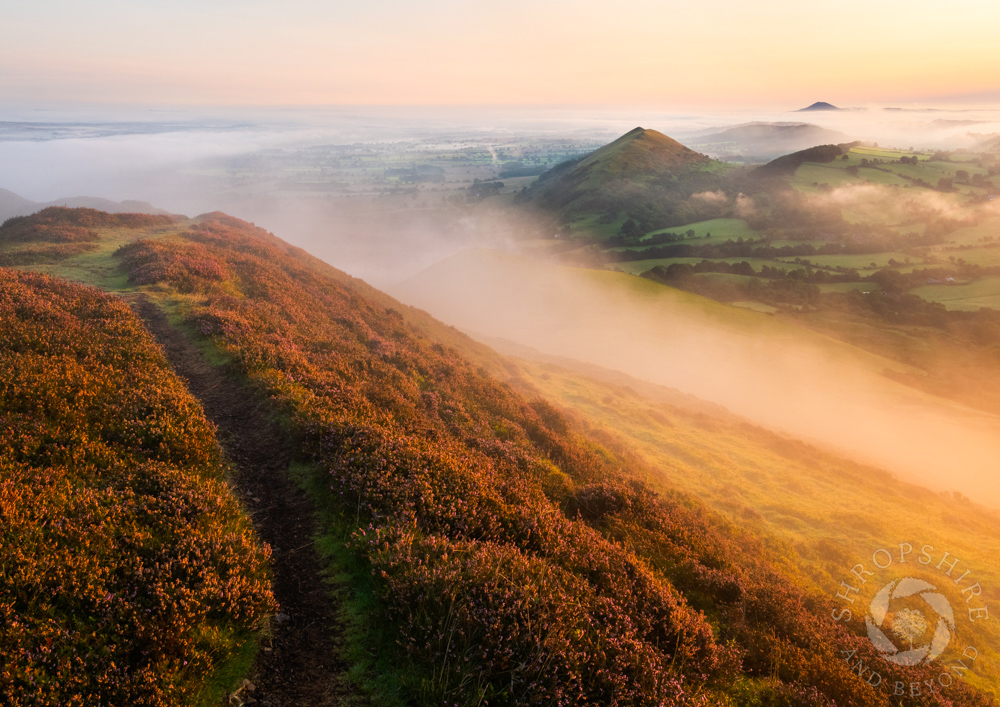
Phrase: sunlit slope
pixel 772 372
pixel 821 512
pixel 435 474
pixel 432 472
pixel 129 573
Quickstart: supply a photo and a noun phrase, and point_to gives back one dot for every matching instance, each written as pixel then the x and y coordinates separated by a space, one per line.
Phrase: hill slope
pixel 494 551
pixel 819 106
pixel 990 144
pixel 129 573
pixel 768 139
pixel 771 372
pixel 643 175
pixel 13 205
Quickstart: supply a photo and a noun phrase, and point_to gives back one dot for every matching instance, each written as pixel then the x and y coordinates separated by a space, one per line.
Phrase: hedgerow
pixel 128 571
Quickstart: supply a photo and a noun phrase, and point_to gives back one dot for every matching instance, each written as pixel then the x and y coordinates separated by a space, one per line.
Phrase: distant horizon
pixel 720 53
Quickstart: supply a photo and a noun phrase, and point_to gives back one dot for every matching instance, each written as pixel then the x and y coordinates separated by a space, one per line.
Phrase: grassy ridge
pixel 128 571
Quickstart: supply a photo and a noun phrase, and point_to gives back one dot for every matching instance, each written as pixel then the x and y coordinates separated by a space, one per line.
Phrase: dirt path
pixel 299 666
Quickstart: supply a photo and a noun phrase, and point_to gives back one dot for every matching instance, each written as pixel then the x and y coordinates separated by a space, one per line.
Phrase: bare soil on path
pixel 298 664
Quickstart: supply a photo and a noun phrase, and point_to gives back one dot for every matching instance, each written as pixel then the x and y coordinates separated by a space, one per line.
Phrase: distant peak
pixel 819 105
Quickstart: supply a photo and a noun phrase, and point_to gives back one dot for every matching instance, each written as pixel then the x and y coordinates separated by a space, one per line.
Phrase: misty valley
pixel 514 409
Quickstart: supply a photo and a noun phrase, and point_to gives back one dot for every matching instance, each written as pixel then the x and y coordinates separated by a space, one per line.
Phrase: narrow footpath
pixel 298 665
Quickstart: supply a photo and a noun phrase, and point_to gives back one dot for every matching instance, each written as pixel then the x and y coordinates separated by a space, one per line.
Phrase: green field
pixel 810 175
pixel 589 226
pixel 846 286
pixel 859 262
pixel 778 243
pixel 986 257
pixel 722 229
pixel 95 267
pixel 984 292
pixel 978 234
pixel 884 153
pixel 834 174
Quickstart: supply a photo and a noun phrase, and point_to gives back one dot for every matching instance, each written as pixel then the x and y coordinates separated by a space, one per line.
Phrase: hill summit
pixel 643 170
pixel 819 105
pixel 641 153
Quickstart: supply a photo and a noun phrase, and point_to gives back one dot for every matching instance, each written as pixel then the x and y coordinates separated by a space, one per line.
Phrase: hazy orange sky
pixel 638 52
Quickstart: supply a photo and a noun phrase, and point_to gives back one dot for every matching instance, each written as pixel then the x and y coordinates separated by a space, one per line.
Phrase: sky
pixel 769 53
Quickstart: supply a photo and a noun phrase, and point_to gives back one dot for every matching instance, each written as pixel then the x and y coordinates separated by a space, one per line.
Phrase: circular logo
pixel 919 616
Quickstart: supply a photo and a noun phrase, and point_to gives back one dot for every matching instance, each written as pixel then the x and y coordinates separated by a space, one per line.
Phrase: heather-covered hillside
pixel 129 574
pixel 514 559
pixel 486 548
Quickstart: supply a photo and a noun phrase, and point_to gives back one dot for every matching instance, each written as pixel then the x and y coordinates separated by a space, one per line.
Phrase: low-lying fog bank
pixel 774 374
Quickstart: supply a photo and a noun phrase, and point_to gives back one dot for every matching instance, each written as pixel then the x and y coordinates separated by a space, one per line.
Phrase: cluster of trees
pixel 856 244
pixel 683 271
pixel 481 190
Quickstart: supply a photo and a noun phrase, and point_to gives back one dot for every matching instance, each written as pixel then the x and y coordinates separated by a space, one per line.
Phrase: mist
pixel 775 375
pixel 799 383
pixel 171 159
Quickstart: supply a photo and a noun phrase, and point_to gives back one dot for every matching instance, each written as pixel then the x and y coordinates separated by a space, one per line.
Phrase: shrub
pixel 128 572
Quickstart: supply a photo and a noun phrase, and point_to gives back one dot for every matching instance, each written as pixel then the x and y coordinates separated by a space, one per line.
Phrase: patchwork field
pixel 968 297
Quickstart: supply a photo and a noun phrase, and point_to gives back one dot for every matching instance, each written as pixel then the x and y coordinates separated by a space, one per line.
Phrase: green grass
pixel 975 235
pixel 589 226
pixel 377 668
pixel 847 286
pixel 722 229
pixel 834 174
pixel 227 679
pixel 97 268
pixel 780 243
pixel 884 153
pixel 811 175
pixel 984 292
pixel 860 262
pixel 986 257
